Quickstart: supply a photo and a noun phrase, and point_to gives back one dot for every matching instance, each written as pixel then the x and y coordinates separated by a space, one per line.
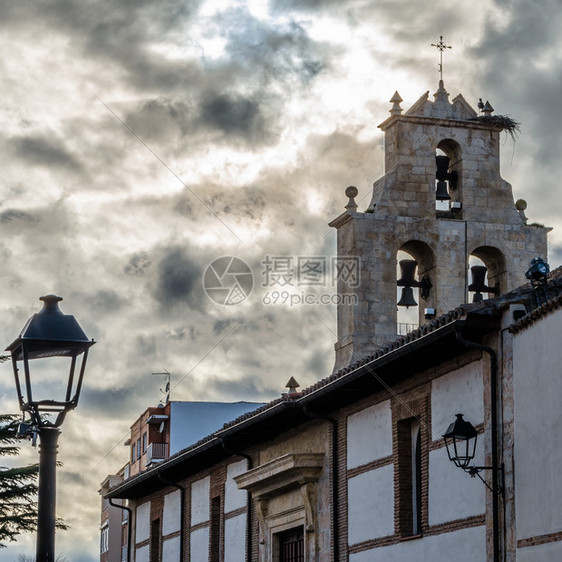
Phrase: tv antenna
pixel 166 390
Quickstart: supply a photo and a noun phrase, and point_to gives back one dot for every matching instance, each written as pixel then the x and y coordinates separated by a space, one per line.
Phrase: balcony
pixel 156 452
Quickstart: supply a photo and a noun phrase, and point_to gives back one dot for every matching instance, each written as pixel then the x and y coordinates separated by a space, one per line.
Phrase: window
pixel 133 453
pixel 155 540
pixel 291 545
pixel 144 442
pixel 104 539
pixel 409 477
pixel 216 529
pixel 138 449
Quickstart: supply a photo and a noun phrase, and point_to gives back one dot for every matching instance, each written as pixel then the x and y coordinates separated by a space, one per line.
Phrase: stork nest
pixel 502 122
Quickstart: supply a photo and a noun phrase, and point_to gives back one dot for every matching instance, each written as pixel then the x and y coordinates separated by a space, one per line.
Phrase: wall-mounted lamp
pixel 407 281
pixel 460 439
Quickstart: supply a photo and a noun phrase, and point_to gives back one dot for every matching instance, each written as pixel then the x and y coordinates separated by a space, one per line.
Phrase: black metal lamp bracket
pixel 475 471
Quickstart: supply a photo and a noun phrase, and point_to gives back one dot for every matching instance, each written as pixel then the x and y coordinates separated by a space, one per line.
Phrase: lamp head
pixel 460 439
pixel 49 333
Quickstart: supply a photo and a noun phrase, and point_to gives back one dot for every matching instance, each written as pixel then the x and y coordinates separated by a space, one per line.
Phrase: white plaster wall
pixel 235 539
pixel 453 494
pixel 233 497
pixel 541 553
pixel 171 550
pixel 172 513
pixel 467 545
pixel 199 545
pixel 142 522
pixel 457 392
pixel 369 434
pixel 200 490
pixel 371 504
pixel 537 390
pixel 142 554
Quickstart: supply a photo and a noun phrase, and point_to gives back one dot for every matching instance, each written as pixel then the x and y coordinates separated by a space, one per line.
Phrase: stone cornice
pixel 442 122
pixel 288 471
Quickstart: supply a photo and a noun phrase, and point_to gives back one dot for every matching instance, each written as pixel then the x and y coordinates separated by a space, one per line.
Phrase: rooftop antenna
pixel 166 390
pixel 441 46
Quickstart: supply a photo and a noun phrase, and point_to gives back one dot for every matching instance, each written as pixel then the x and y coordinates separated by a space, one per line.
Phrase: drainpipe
pixel 230 451
pixel 182 508
pixel 335 478
pixel 129 528
pixel 495 452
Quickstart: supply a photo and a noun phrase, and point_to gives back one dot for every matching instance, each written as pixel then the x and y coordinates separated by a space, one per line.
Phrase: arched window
pixel 414 265
pixel 486 274
pixel 448 177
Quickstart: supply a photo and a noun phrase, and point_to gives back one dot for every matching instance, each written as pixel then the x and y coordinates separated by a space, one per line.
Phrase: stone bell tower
pixel 441 200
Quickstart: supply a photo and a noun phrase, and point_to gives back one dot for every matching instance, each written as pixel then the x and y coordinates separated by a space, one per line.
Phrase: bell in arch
pixel 443 176
pixel 478 285
pixel 407 281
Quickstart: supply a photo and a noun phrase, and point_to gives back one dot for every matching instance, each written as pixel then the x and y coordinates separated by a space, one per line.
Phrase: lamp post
pixel 47 334
pixel 460 440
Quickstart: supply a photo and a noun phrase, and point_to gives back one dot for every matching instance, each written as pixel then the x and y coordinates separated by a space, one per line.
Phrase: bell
pixel 441 175
pixel 407 281
pixel 442 163
pixel 407 271
pixel 407 298
pixel 442 194
pixel 478 286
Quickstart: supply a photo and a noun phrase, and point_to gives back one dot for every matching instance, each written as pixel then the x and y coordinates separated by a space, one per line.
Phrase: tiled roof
pixel 548 307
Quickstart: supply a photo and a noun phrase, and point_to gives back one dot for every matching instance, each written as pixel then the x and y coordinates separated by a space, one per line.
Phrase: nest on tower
pixel 501 122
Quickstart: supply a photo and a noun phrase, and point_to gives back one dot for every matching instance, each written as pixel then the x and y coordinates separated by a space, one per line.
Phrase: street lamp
pixel 48 334
pixel 460 440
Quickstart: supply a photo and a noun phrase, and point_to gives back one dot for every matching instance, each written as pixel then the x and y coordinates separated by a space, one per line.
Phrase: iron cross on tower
pixel 441 46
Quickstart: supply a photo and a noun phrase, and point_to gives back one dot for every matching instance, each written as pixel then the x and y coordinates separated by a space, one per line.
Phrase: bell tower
pixel 440 207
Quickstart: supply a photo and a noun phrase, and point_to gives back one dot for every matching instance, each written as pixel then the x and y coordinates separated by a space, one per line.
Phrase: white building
pixel 354 468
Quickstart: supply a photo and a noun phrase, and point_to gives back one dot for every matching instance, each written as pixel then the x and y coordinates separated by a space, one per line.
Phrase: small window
pixel 133 453
pixel 216 529
pixel 155 540
pixel 138 448
pixel 409 477
pixel 291 545
pixel 144 442
pixel 104 540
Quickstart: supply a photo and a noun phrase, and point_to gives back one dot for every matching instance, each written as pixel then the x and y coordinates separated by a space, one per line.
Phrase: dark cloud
pixel 161 119
pixel 178 278
pixel 12 215
pixel 106 301
pixel 138 264
pixel 109 401
pixel 221 326
pixel 265 53
pixel 44 152
pixel 250 388
pixel 234 116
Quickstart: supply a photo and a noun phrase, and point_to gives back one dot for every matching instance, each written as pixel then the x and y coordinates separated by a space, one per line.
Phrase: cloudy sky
pixel 141 140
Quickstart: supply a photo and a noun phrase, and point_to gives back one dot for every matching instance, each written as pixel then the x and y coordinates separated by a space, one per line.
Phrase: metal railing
pixel 402 328
pixel 156 452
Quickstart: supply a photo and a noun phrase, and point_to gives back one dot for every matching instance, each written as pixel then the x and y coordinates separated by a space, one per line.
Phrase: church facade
pixel 354 468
